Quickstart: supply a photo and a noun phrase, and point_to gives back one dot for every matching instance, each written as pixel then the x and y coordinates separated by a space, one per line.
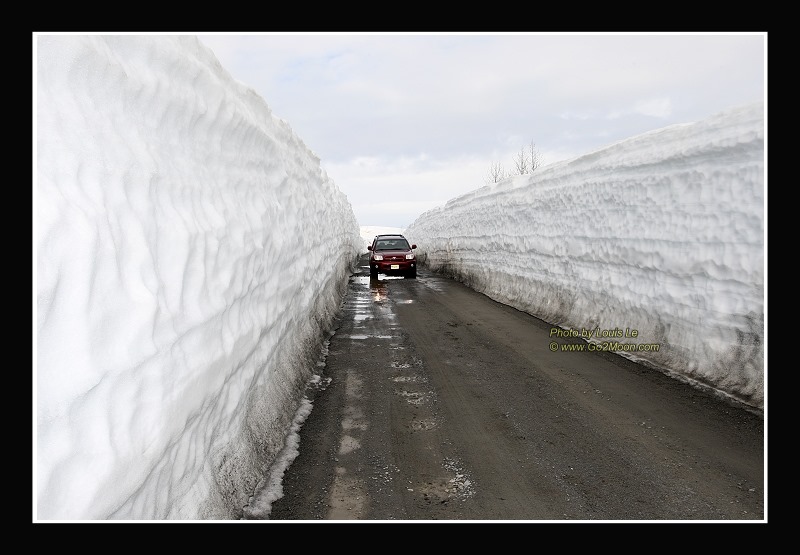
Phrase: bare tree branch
pixel 535 157
pixel 496 173
pixel 521 163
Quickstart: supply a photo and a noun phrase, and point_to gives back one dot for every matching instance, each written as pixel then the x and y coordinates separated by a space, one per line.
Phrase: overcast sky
pixel 404 122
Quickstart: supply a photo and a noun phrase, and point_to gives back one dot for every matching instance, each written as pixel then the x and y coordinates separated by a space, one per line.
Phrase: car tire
pixel 412 274
pixel 373 273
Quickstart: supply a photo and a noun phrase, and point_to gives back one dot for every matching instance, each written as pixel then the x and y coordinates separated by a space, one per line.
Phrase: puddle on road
pixel 367 307
pixel 379 294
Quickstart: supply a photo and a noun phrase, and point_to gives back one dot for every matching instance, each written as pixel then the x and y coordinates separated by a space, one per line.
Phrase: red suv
pixel 392 255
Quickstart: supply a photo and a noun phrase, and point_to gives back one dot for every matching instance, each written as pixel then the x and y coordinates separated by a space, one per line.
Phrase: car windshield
pixel 392 245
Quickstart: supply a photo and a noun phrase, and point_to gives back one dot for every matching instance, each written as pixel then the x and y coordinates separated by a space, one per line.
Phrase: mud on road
pixel 442 404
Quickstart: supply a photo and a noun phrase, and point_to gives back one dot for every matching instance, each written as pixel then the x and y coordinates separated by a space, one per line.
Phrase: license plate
pixel 395 266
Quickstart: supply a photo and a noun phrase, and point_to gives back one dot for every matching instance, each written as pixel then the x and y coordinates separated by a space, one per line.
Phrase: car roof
pixel 390 235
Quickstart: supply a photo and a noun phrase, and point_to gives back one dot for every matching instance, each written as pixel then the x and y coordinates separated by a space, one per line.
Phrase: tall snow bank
pixel 190 252
pixel 662 233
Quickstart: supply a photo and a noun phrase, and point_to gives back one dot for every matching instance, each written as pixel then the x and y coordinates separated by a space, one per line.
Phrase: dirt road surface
pixel 443 405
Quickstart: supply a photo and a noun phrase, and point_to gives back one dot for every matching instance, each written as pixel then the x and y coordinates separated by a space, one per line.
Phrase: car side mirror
pixel 369 247
pixel 413 246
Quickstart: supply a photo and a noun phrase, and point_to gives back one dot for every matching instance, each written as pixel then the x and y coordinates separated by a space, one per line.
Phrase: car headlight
pixel 410 256
pixel 378 257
